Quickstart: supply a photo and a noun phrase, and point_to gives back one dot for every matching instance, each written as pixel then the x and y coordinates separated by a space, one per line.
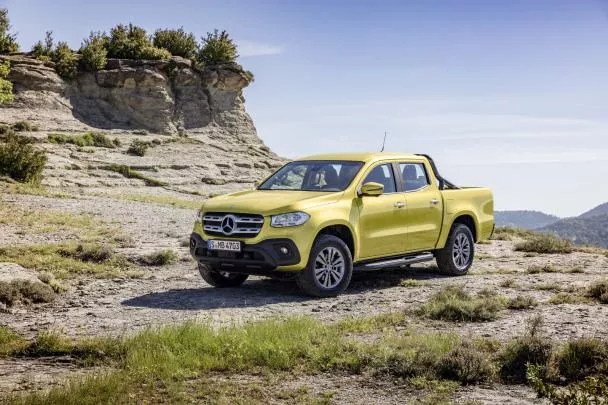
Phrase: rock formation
pixel 218 149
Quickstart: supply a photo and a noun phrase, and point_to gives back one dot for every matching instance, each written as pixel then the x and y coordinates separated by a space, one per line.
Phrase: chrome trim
pixel 243 224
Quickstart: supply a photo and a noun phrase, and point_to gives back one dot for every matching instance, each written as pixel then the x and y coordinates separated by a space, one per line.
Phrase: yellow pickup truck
pixel 321 218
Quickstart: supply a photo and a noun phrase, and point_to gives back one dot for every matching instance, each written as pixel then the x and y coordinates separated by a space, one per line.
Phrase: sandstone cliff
pixel 217 149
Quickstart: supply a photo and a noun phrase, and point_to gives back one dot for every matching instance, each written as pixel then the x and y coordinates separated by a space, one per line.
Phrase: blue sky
pixel 510 94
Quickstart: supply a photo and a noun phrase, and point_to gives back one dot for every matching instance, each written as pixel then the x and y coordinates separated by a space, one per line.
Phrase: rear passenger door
pixel 424 207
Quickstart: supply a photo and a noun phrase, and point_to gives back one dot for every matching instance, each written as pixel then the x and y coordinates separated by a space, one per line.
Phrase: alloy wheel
pixel 329 267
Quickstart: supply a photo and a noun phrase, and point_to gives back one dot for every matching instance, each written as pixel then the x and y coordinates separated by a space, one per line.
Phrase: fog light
pixel 284 250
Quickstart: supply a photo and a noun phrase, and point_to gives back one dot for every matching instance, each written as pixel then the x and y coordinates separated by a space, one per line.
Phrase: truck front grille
pixel 235 225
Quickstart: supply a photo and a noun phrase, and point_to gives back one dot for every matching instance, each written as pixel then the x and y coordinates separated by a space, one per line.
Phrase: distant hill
pixel 601 209
pixel 582 230
pixel 524 219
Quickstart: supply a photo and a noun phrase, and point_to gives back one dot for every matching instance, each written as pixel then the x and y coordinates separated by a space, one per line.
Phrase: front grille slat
pixel 245 225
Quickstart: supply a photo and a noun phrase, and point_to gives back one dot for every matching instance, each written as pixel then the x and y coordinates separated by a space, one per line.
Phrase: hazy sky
pixel 510 94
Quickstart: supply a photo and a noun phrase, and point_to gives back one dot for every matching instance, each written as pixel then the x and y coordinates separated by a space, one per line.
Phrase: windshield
pixel 313 175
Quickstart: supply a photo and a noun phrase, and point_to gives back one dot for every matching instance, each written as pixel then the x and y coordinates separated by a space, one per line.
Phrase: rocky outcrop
pixel 159 96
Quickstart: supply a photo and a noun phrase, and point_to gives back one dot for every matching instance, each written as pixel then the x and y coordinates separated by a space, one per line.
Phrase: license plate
pixel 229 245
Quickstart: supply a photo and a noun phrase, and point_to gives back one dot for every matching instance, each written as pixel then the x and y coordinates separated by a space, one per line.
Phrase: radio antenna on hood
pixel 383 142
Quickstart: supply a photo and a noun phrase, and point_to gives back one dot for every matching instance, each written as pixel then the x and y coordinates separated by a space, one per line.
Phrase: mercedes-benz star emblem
pixel 228 224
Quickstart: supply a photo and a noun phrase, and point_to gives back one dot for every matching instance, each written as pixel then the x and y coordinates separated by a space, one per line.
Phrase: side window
pixel 382 174
pixel 414 176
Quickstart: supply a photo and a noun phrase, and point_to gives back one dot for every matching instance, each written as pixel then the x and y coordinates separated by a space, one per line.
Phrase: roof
pixel 362 156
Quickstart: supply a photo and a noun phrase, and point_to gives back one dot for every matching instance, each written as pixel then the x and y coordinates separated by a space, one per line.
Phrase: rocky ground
pixel 176 293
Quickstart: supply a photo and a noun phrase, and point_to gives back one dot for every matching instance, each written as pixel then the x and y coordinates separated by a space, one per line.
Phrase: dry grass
pixel 452 303
pixel 544 243
pixel 25 291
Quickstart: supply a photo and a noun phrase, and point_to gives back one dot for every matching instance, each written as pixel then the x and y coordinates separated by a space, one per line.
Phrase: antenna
pixel 383 142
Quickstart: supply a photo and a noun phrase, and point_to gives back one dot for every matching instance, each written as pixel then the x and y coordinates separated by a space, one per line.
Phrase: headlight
pixel 290 219
pixel 199 216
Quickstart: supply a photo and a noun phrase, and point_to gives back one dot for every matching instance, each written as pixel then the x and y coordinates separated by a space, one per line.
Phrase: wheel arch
pixel 342 231
pixel 465 218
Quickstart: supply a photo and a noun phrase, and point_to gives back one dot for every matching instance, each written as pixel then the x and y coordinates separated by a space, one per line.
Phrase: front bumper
pixel 257 258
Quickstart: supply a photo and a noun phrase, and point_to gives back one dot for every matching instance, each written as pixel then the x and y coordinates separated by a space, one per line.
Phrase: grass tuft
pixel 160 258
pixel 599 291
pixel 522 302
pixel 129 173
pixel 452 303
pixel 98 139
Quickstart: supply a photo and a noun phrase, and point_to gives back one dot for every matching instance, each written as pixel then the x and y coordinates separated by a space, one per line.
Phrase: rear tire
pixel 221 279
pixel 329 269
pixel 457 256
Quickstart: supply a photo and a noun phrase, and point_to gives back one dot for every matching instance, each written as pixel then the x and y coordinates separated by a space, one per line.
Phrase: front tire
pixel 457 256
pixel 221 279
pixel 329 269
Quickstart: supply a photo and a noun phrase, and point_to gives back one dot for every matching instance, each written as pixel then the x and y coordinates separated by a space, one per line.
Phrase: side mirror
pixel 257 183
pixel 372 189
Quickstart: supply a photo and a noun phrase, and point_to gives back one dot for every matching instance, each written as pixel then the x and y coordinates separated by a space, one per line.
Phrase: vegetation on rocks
pixel 60 54
pixel 20 160
pixel 8 41
pixel 94 51
pixel 98 139
pixel 6 87
pixel 129 173
pixel 138 148
pixel 217 47
pixel 178 42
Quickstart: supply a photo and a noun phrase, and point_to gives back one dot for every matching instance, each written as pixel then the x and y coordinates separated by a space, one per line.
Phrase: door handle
pixel 399 204
pixel 434 201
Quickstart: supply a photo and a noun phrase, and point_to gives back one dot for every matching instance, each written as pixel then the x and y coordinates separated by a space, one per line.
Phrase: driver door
pixel 381 219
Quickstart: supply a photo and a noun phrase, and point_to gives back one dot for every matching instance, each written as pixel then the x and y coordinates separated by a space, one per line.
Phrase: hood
pixel 269 202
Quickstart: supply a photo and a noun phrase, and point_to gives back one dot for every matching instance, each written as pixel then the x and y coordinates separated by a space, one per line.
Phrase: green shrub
pixel 153 53
pixel 61 55
pixel 521 302
pixel 6 87
pixel 138 148
pixel 217 47
pixel 177 42
pixel 65 61
pixel 44 50
pixel 599 291
pixel 532 348
pixel 94 50
pixel 466 364
pixel 20 161
pixel 545 243
pixel 160 258
pixel 581 358
pixel 131 42
pixel 452 303
pixel 592 390
pixel 8 41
